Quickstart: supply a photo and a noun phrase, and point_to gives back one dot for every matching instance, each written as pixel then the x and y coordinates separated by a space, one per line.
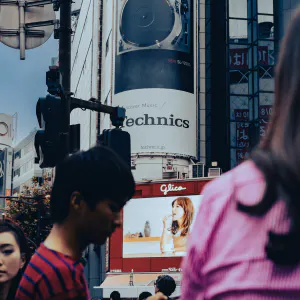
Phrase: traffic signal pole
pixel 65 31
pixel 56 138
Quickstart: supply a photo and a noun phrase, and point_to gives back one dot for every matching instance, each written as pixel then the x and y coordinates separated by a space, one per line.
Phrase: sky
pixel 23 82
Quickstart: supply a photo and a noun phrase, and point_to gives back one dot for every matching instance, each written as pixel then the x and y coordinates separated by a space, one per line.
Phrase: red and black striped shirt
pixel 53 275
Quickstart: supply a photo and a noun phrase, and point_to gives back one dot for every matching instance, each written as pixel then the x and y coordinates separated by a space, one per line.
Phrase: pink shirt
pixel 226 254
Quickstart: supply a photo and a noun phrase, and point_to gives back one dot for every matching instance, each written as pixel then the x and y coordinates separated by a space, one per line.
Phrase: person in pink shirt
pixel 245 243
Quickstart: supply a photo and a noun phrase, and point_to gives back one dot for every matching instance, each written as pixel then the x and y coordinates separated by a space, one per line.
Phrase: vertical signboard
pixel 6 130
pixel 154 73
pixel 2 172
pixel 242 134
pixel 107 255
pixel 265 112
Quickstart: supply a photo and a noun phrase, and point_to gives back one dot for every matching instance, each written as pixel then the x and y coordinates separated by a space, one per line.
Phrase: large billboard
pixel 6 130
pixel 154 74
pixel 158 227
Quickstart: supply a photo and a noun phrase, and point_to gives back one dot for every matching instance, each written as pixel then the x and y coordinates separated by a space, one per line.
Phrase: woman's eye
pixel 8 251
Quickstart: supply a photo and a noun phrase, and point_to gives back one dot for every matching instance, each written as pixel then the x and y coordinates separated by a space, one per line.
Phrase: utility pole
pixel 65 32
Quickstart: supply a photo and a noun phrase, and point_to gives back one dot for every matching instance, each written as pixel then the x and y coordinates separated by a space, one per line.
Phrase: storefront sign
pixel 116 271
pixel 171 270
pixel 166 188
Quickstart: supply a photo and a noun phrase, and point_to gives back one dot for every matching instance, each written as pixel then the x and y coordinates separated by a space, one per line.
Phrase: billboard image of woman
pixel 174 236
pixel 158 227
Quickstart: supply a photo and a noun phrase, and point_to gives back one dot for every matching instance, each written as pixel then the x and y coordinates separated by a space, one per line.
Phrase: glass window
pixel 238 9
pixel 265 6
pixel 238 29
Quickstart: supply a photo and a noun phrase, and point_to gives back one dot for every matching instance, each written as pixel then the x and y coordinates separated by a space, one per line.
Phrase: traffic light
pixel 48 140
pixel 119 141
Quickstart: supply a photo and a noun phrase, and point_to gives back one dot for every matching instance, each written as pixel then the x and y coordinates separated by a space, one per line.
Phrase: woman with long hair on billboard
pixel 14 256
pixel 174 235
pixel 246 240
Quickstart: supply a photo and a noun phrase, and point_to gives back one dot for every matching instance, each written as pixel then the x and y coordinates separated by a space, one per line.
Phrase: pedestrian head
pixel 165 284
pixel 115 295
pixel 14 255
pixel 89 191
pixel 278 155
pixel 144 295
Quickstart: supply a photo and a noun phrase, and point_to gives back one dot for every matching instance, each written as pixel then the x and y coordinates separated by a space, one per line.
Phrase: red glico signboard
pixel 153 236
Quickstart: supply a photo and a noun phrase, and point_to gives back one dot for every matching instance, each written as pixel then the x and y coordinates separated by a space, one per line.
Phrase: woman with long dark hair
pixel 246 239
pixel 14 256
pixel 174 235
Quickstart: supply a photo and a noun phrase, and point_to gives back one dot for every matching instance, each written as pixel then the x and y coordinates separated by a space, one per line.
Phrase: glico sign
pixel 166 188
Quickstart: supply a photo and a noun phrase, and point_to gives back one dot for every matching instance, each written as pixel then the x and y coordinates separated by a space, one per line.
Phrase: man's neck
pixel 63 239
pixel 4 290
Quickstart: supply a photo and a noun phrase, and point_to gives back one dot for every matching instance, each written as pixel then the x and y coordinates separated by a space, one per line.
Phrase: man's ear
pixel 76 201
pixel 23 260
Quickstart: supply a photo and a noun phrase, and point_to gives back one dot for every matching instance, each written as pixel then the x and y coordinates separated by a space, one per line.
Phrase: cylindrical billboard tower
pixel 154 79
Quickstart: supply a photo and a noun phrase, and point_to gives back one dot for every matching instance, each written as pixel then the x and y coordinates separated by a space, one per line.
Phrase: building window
pixel 250 48
pixel 17 154
pixel 17 172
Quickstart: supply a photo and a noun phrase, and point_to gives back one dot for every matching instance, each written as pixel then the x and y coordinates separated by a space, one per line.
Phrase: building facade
pixel 24 166
pixel 211 69
pixel 6 155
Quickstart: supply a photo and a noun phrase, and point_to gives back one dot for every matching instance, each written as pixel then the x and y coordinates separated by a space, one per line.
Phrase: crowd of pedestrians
pixel 245 241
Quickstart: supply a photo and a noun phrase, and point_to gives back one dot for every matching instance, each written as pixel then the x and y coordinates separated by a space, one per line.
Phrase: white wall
pixel 107 55
pixel 84 80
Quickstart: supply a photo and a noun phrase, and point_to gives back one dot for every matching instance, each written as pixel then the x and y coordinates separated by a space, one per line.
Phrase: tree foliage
pixel 32 210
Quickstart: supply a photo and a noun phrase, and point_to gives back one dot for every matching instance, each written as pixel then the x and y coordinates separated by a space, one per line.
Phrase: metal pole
pixel 65 66
pixel 22 29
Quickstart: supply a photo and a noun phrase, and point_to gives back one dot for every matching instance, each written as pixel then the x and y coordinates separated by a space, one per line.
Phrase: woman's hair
pixel 188 207
pixel 9 226
pixel 278 155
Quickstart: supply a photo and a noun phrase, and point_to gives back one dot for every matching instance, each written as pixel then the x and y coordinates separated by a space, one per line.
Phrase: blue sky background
pixel 23 82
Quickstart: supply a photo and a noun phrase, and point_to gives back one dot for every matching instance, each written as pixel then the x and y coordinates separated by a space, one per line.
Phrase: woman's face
pixel 177 211
pixel 11 260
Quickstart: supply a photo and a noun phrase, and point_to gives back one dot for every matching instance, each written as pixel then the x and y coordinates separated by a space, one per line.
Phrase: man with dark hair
pixel 144 295
pixel 88 193
pixel 115 295
pixel 165 284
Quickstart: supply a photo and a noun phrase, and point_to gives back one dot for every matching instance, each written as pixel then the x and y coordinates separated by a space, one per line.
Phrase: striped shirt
pixel 52 275
pixel 226 256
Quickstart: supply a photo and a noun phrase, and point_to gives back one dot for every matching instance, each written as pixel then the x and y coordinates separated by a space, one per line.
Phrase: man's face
pixel 101 222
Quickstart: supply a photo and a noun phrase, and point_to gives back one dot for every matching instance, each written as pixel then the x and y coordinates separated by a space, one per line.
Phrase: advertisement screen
pixel 154 74
pixel 154 41
pixel 6 130
pixel 158 227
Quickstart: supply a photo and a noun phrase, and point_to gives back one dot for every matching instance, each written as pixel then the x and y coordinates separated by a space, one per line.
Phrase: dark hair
pixel 278 155
pixel 144 295
pixel 166 284
pixel 9 226
pixel 98 174
pixel 115 295
pixel 188 207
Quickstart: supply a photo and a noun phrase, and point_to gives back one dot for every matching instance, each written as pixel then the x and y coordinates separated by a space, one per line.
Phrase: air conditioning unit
pixel 171 175
pixel 214 172
pixel 197 170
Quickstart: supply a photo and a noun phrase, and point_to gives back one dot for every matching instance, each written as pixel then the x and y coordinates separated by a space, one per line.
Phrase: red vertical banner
pixel 241 115
pixel 238 58
pixel 265 112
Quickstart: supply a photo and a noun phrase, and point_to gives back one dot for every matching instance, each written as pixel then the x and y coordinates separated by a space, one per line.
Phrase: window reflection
pixel 265 6
pixel 238 9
